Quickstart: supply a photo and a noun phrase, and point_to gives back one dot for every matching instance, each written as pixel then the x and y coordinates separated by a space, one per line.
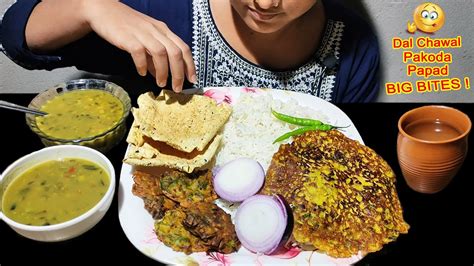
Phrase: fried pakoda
pixel 172 233
pixel 161 193
pixel 188 189
pixel 147 187
pixel 342 193
pixel 211 224
pixel 187 220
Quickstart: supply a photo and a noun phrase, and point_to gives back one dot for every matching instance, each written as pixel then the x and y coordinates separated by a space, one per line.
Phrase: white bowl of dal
pixel 88 112
pixel 54 210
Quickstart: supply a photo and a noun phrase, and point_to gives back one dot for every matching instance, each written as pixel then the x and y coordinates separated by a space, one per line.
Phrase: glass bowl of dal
pixel 56 193
pixel 88 112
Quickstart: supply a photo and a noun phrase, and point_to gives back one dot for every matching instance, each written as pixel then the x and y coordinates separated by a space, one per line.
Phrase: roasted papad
pixel 155 153
pixel 342 194
pixel 175 131
pixel 183 121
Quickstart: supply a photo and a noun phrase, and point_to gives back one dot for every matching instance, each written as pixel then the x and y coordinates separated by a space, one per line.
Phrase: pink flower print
pixel 287 253
pixel 251 90
pixel 257 260
pixel 216 259
pixel 219 96
pixel 151 237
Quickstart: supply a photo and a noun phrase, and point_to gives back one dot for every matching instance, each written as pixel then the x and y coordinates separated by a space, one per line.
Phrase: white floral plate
pixel 138 224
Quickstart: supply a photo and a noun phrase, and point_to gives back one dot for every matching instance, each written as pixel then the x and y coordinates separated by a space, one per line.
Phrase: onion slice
pixel 261 223
pixel 239 179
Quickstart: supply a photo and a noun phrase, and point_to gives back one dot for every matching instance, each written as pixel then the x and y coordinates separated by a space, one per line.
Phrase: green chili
pixel 296 120
pixel 306 123
pixel 295 132
pixel 326 127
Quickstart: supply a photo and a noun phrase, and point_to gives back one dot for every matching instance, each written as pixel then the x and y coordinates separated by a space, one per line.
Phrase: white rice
pixel 252 128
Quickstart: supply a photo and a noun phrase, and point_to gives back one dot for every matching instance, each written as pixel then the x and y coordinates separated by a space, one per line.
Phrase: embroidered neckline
pixel 218 64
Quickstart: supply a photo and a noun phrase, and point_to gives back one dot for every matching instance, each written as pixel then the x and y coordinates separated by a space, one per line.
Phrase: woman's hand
pixel 152 45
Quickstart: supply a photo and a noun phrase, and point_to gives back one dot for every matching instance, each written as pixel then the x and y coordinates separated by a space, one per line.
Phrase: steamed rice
pixel 252 128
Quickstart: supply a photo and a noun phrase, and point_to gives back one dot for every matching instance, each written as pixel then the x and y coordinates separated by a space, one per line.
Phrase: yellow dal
pixel 80 114
pixel 55 191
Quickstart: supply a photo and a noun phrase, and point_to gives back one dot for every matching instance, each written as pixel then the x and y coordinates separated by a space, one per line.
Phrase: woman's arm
pixel 152 46
pixel 54 24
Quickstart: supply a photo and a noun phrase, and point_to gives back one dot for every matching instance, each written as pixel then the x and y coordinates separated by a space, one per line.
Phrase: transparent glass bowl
pixel 103 141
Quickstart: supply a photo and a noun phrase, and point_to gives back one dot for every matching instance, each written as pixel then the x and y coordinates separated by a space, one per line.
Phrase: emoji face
pixel 428 17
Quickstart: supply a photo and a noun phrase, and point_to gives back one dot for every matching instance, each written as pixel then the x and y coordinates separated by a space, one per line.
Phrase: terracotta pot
pixel 432 146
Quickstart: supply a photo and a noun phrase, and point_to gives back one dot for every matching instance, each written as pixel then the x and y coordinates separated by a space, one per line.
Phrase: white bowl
pixel 71 228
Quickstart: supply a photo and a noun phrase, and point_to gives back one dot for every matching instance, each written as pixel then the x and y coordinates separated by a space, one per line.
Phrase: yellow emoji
pixel 428 17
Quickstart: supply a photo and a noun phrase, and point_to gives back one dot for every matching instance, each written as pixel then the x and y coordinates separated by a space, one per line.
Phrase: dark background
pixel 441 224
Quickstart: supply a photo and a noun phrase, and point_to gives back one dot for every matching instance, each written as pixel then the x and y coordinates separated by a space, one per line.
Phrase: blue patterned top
pixel 348 40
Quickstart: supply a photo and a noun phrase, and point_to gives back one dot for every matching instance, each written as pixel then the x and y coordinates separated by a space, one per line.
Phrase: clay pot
pixel 432 146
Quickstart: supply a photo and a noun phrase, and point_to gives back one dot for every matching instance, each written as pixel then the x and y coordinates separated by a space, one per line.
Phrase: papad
pixel 153 153
pixel 185 122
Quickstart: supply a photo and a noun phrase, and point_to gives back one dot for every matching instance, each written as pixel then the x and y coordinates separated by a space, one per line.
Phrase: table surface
pixel 439 223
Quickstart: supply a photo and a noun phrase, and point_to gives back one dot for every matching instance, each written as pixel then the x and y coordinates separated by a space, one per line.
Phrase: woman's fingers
pixel 180 58
pixel 150 65
pixel 138 53
pixel 169 51
pixel 176 64
pixel 187 56
pixel 165 56
pixel 144 38
pixel 159 57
